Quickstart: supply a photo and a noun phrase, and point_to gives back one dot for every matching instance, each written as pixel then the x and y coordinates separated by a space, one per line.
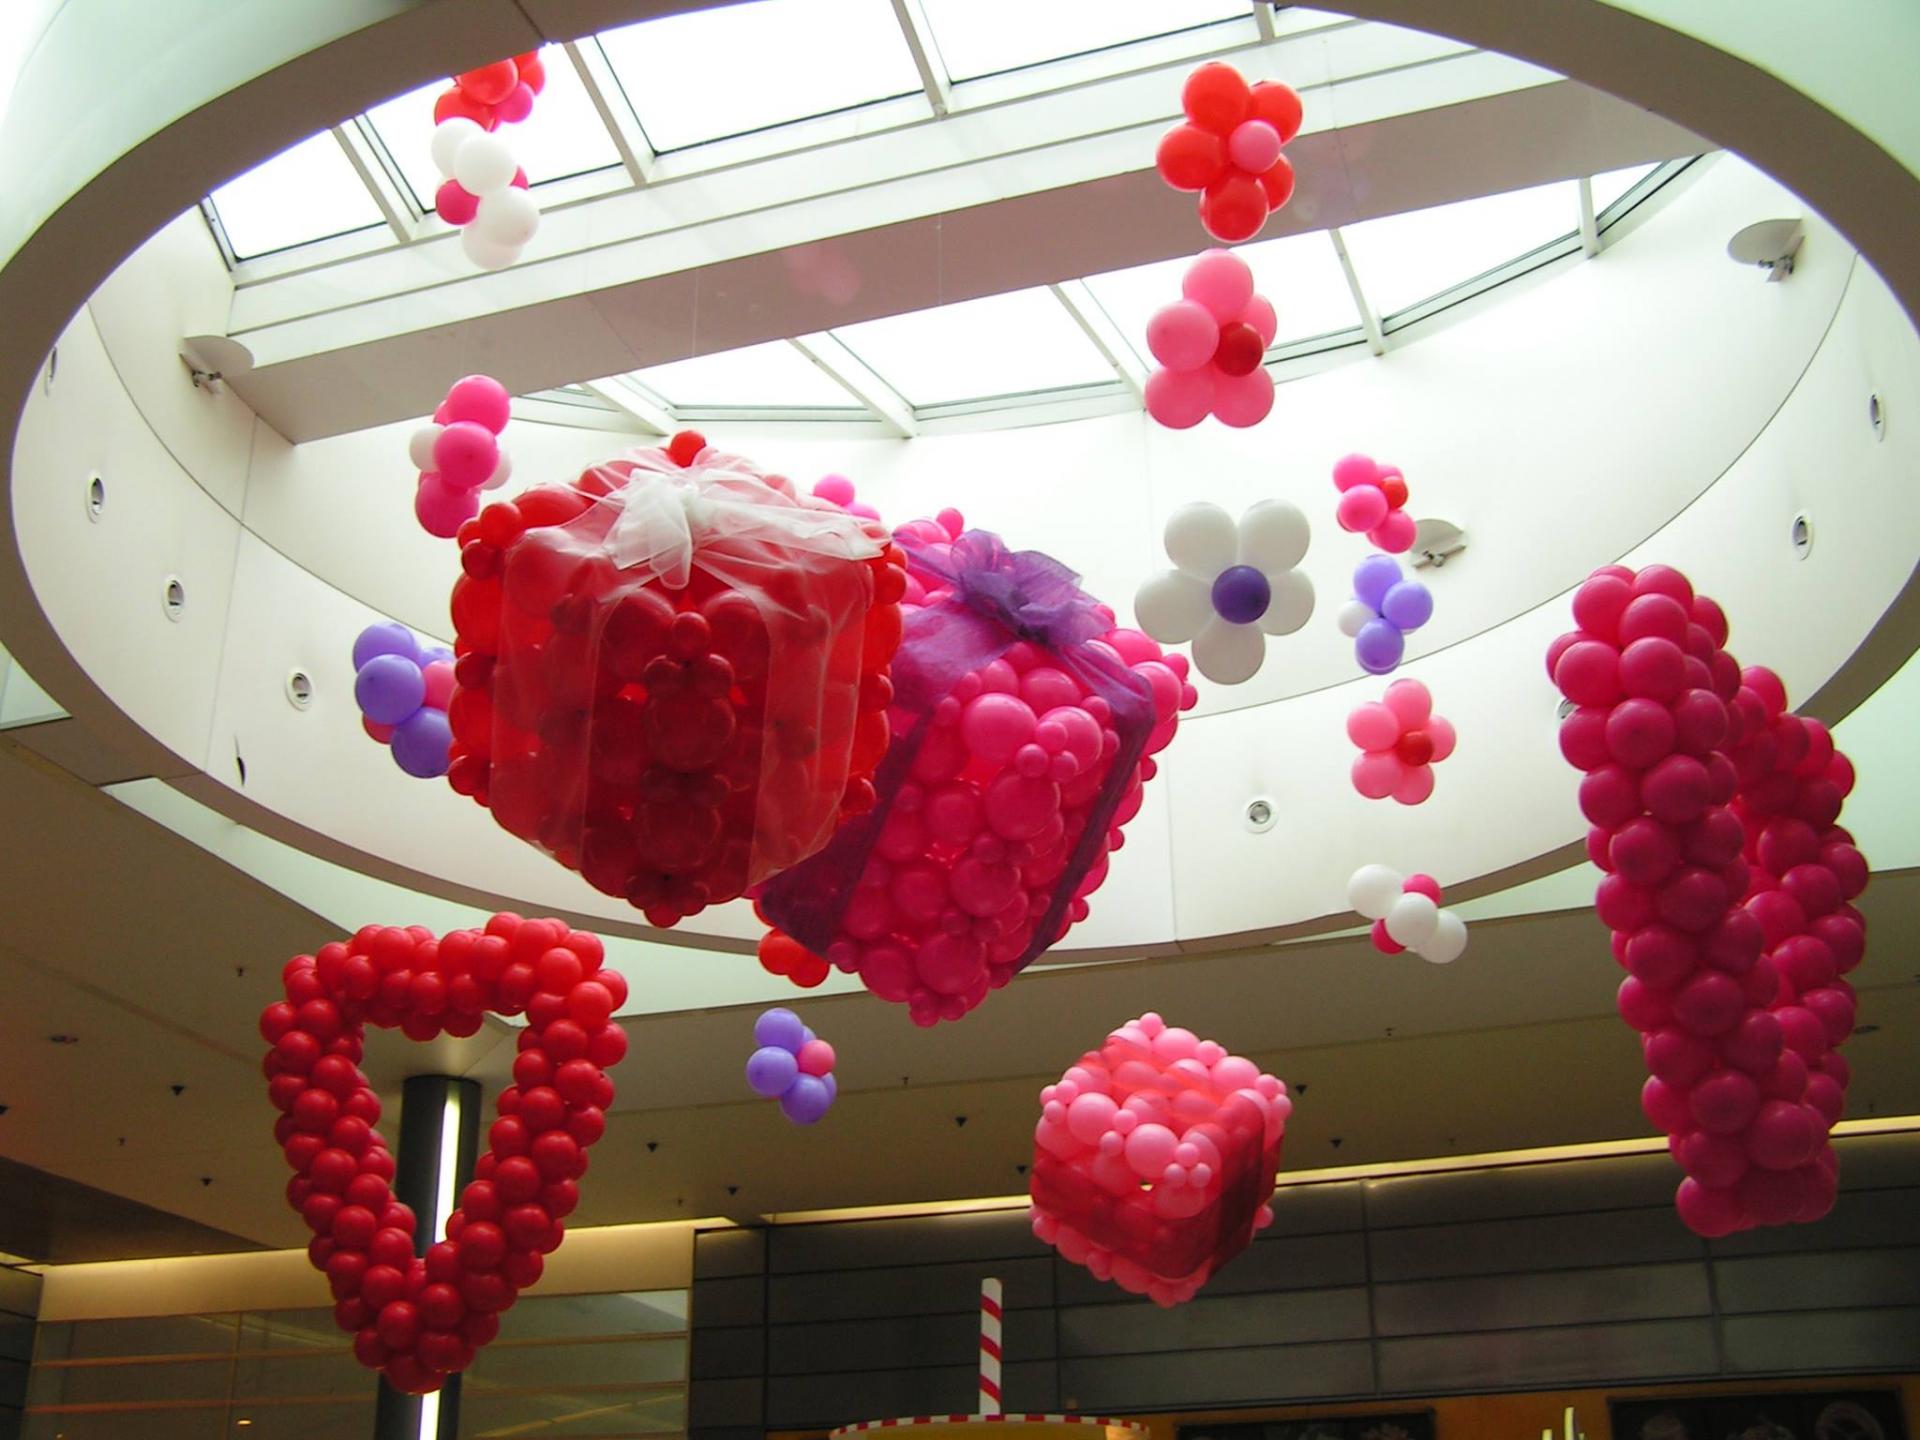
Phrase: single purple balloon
pixel 1408 605
pixel 1373 577
pixel 1241 594
pixel 384 637
pixel 780 1026
pixel 807 1100
pixel 770 1070
pixel 421 743
pixel 389 688
pixel 1378 647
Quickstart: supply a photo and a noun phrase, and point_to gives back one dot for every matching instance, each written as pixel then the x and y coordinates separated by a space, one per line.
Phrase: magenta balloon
pixel 1394 534
pixel 1597 606
pixel 1779 915
pixel 1711 1003
pixel 1786 842
pixel 1558 646
pixel 465 454
pixel 1609 797
pixel 1361 508
pixel 1675 790
pixel 1664 1105
pixel 455 204
pixel 1788 1078
pixel 1712 1160
pixel 1710 1212
pixel 1583 738
pixel 1220 281
pixel 995 726
pixel 1241 401
pixel 1826 1096
pixel 1714 840
pixel 441 509
pixel 1180 399
pixel 1622 905
pixel 1182 336
pixel 1735 943
pixel 1645 851
pixel 1372 726
pixel 1661 956
pixel 1844 938
pixel 1376 773
pixel 1654 669
pixel 1676 1057
pixel 1833 1008
pixel 1659 616
pixel 1813 888
pixel 480 399
pixel 1640 733
pixel 1784 1136
pixel 1694 900
pixel 1805 962
pixel 1352 470
pixel 1599 842
pixel 1771 1197
pixel 951 964
pixel 1724 1102
pixel 1802 1030
pixel 1754 1044
pixel 1589 673
pixel 1642 1006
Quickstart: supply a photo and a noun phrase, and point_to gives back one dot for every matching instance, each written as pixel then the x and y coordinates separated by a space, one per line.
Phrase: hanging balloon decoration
pixel 673 673
pixel 483 191
pixel 1228 148
pixel 1385 607
pixel 1231 586
pixel 1728 880
pixel 1372 502
pixel 1406 914
pixel 837 490
pixel 1154 1159
pixel 402 688
pixel 1212 343
pixel 792 1065
pixel 1400 740
pixel 458 454
pixel 420 1321
pixel 1023 727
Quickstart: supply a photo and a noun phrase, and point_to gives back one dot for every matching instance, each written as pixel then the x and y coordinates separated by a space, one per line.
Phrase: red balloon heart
pixel 420 1320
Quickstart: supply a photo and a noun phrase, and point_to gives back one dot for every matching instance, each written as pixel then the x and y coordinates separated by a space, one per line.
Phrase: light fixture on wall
pixel 1770 244
pixel 212 358
pixel 1435 541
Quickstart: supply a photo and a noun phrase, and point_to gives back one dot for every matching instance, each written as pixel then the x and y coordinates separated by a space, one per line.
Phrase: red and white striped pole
pixel 990 1347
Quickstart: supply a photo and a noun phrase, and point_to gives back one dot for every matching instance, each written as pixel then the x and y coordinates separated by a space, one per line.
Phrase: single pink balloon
pixel 465 454
pixel 995 725
pixel 456 204
pixel 1220 281
pixel 1352 470
pixel 442 509
pixel 1373 726
pixel 1395 533
pixel 1411 701
pixel 1241 401
pixel 834 489
pixel 1361 508
pixel 816 1058
pixel 1183 336
pixel 1441 732
pixel 439 678
pixel 481 399
pixel 1260 315
pixel 1180 399
pixel 1254 145
pixel 1377 773
pixel 1416 785
pixel 517 106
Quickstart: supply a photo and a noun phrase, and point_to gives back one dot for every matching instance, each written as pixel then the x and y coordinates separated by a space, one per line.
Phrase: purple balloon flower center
pixel 1241 594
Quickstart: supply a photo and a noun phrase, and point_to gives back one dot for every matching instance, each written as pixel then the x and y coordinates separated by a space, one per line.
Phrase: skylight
pixel 1011 344
pixel 1610 187
pixel 310 192
pixel 985 37
pixel 727 70
pixel 773 376
pixel 1404 259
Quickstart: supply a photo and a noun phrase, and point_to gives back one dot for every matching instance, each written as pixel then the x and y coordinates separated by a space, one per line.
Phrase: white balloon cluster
pixel 481 163
pixel 1231 587
pixel 1406 913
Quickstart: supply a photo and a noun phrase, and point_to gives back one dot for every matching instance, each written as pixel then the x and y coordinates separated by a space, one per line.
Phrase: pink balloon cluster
pixel 1400 739
pixel 459 454
pixel 1154 1159
pixel 1713 815
pixel 1371 497
pixel 838 490
pixel 1211 344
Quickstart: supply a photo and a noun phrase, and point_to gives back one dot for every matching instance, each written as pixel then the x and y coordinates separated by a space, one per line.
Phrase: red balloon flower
pixel 1229 149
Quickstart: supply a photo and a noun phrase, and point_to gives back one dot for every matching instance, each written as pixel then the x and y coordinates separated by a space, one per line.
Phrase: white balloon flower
pixel 1231 586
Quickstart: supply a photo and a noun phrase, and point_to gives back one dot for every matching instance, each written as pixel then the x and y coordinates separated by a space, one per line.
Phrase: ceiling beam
pixel 1589 222
pixel 852 374
pixel 1094 322
pixel 389 192
pixel 926 55
pixel 631 401
pixel 1369 321
pixel 610 103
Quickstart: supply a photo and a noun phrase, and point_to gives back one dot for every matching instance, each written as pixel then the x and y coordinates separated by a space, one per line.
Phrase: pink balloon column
pixel 459 454
pixel 483 191
pixel 1211 344
pixel 1155 1157
pixel 1727 880
pixel 1228 149
pixel 1023 727
pixel 1371 499
pixel 1400 739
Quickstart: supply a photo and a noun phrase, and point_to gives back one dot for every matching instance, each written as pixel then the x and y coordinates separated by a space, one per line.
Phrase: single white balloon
pixel 1274 536
pixel 1353 615
pixel 508 217
pixel 1229 654
pixel 1373 889
pixel 1412 920
pixel 1291 605
pixel 1448 941
pixel 1202 539
pixel 1172 606
pixel 502 472
pixel 486 253
pixel 448 137
pixel 484 163
pixel 420 446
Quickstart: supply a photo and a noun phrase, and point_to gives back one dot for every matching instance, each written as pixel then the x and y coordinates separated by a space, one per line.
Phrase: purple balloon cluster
pixel 1384 608
pixel 792 1066
pixel 402 689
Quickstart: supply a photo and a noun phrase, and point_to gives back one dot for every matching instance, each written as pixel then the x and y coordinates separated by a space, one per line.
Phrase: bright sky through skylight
pixel 983 37
pixel 1611 186
pixel 1404 259
pixel 302 194
pixel 735 68
pixel 774 376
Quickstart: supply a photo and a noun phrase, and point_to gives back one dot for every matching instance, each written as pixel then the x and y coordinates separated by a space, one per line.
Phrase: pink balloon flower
pixel 1371 497
pixel 1211 344
pixel 1400 738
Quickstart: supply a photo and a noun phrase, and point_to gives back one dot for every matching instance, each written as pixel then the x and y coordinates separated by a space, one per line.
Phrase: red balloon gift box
pixel 672 674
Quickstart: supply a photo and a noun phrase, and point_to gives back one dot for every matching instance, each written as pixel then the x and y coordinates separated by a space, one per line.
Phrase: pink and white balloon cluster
pixel 483 191
pixel 1406 914
pixel 1211 344
pixel 459 454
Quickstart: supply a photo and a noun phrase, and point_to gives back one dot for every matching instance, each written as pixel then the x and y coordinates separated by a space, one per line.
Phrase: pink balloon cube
pixel 1154 1159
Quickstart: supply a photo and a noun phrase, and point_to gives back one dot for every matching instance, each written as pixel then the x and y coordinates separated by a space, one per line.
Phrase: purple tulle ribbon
pixel 999 598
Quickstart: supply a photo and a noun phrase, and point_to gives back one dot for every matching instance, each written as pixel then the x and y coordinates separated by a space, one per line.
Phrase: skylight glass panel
pixel 310 192
pixel 1299 274
pixel 730 69
pixel 564 135
pixel 1608 188
pixel 1404 259
pixel 985 37
pixel 774 377
pixel 1009 344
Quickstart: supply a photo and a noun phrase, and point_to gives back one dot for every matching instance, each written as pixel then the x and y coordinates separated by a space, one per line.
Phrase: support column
pixel 439 1141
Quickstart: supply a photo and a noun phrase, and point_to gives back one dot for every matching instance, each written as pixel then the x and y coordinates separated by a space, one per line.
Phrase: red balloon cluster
pixel 1713 815
pixel 674 746
pixel 1228 149
pixel 494 94
pixel 421 1319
